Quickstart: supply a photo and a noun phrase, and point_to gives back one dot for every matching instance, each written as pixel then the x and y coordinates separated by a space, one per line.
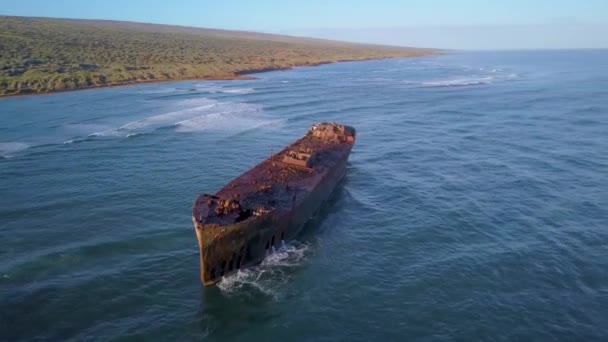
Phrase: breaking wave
pixel 470 81
pixel 270 275
pixel 197 87
pixel 238 118
pixel 459 82
pixel 190 115
pixel 215 89
pixel 238 91
pixel 156 121
pixel 7 149
pixel 205 115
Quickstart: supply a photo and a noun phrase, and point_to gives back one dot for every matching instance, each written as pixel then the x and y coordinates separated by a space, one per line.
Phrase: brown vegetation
pixel 40 55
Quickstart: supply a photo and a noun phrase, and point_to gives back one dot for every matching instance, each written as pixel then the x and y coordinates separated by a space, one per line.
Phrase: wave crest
pixel 7 149
pixel 460 82
pixel 199 115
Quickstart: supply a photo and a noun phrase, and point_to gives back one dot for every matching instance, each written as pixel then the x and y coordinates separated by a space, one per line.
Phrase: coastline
pixel 237 75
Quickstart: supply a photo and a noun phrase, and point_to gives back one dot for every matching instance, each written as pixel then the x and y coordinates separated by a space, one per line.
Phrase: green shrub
pixel 43 55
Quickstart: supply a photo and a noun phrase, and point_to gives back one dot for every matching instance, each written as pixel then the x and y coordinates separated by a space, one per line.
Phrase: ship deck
pixel 273 184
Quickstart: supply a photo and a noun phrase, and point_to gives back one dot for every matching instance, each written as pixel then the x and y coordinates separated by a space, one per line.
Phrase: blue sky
pixel 470 24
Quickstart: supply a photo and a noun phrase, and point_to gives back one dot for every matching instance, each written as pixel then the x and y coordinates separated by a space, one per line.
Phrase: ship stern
pixel 235 243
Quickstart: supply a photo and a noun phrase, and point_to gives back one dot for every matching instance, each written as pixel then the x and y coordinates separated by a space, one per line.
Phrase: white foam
pixel 196 102
pixel 7 149
pixel 164 119
pixel 459 82
pixel 270 274
pixel 215 89
pixel 196 115
pixel 161 120
pixel 238 91
pixel 84 128
pixel 288 255
pixel 107 133
pixel 228 117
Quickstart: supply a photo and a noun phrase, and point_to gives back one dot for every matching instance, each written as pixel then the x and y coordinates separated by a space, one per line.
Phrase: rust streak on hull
pixel 239 225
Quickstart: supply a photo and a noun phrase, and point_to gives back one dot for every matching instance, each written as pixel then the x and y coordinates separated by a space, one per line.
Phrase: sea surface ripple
pixel 475 205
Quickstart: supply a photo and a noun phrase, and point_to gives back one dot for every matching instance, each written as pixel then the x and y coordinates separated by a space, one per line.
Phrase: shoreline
pixel 238 75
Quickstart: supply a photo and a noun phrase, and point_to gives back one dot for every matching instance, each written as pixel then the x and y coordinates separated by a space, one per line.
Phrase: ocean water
pixel 475 205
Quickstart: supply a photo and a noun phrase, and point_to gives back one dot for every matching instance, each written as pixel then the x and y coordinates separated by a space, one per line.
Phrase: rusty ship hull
pixel 243 222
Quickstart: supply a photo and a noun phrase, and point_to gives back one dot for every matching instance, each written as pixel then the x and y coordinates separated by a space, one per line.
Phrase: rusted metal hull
pixel 227 245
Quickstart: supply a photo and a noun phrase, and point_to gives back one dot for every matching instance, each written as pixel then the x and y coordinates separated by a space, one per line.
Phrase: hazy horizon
pixel 524 37
pixel 467 25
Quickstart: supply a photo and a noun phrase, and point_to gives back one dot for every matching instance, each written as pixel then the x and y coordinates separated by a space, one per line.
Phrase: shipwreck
pixel 270 203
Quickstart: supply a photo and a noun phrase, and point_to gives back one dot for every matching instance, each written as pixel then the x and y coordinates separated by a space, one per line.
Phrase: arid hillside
pixel 40 55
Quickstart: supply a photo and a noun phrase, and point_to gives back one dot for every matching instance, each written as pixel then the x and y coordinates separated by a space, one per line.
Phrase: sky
pixel 453 24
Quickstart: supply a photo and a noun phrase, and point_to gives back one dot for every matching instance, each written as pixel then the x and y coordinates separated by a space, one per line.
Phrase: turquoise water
pixel 475 205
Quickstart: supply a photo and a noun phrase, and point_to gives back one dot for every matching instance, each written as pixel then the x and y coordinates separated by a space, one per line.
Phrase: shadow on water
pixel 334 203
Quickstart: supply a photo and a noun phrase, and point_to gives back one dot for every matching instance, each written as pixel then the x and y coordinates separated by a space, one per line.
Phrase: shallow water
pixel 475 205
